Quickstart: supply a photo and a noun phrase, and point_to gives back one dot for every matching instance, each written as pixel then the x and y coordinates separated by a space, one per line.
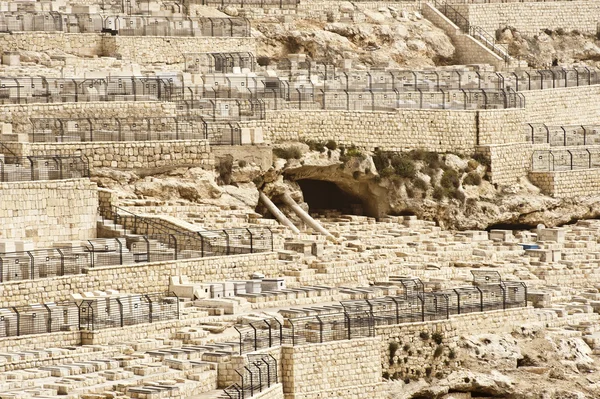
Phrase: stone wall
pixel 48 211
pixel 531 17
pixel 467 49
pixel 39 341
pixel 338 369
pixel 417 353
pixel 563 106
pixel 273 392
pixel 171 49
pixel 19 115
pixel 130 155
pixel 79 44
pixel 568 183
pixel 400 130
pixel 509 162
pixel 139 278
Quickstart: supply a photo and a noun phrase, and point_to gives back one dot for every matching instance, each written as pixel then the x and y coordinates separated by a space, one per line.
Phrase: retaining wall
pixel 568 183
pixel 48 211
pixel 531 17
pixel 139 278
pixel 129 155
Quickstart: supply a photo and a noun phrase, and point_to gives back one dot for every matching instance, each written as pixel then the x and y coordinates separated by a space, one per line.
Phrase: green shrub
pixel 386 375
pixel 437 337
pixel 450 179
pixel 410 193
pixel 387 172
pixel 418 154
pixel 472 179
pixel 332 145
pixel 287 153
pixel 452 354
pixel 424 335
pixel 433 160
pixel 481 158
pixel 439 350
pixel 438 193
pixel 393 348
pixel 381 160
pixel 242 163
pixel 224 168
pixel 406 347
pixel 458 195
pixel 315 146
pixel 407 380
pixel 420 184
pixel 355 153
pixel 439 375
pixel 404 166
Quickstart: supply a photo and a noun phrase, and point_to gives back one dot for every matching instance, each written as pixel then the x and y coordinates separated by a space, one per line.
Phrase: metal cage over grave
pixel 46 130
pixel 568 135
pixel 561 160
pixel 38 319
pixel 260 373
pixel 99 313
pixel 219 62
pixel 51 167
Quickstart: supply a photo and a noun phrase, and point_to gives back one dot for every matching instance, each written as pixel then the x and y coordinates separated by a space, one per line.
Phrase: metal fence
pixel 561 160
pixel 199 244
pixel 124 25
pixel 24 90
pixel 568 135
pixel 51 167
pixel 100 313
pixel 51 130
pixel 281 4
pixel 89 314
pixel 219 62
pixel 259 335
pixel 258 375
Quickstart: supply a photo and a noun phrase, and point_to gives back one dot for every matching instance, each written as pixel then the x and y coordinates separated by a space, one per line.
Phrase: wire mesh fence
pixel 258 375
pixel 99 313
pixel 266 4
pixel 25 90
pixel 124 25
pixel 51 167
pixel 90 314
pixel 44 130
pixel 567 159
pixel 193 244
pixel 219 62
pixel 568 135
pixel 259 335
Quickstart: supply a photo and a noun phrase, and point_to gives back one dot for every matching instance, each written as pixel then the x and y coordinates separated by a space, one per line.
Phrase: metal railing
pixel 25 90
pixel 260 373
pixel 100 313
pixel 259 335
pixel 565 159
pixel 281 4
pixel 50 130
pixel 52 167
pixel 124 25
pixel 199 244
pixel 568 135
pixel 218 62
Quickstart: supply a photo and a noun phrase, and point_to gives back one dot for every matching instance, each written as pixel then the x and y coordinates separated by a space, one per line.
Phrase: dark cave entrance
pixel 325 195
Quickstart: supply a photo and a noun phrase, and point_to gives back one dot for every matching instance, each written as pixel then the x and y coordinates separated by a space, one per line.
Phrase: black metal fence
pixel 124 25
pixel 51 167
pixel 260 335
pixel 199 244
pixel 100 313
pixel 562 160
pixel 219 62
pixel 568 135
pixel 281 4
pixel 51 130
pixel 90 314
pixel 25 90
pixel 258 375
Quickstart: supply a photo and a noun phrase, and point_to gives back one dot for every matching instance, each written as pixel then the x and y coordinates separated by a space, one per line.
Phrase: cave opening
pixel 510 226
pixel 325 195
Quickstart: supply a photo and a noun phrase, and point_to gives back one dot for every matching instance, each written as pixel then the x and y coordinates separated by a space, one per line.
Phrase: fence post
pixel 49 322
pixel 226 241
pixel 480 298
pixel 255 337
pixel 62 262
pixel 251 241
pixel 18 321
pixel 150 315
pixel 120 311
pixel 32 268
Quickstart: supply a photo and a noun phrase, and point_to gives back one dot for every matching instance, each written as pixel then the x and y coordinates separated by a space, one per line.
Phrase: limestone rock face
pixel 374 38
